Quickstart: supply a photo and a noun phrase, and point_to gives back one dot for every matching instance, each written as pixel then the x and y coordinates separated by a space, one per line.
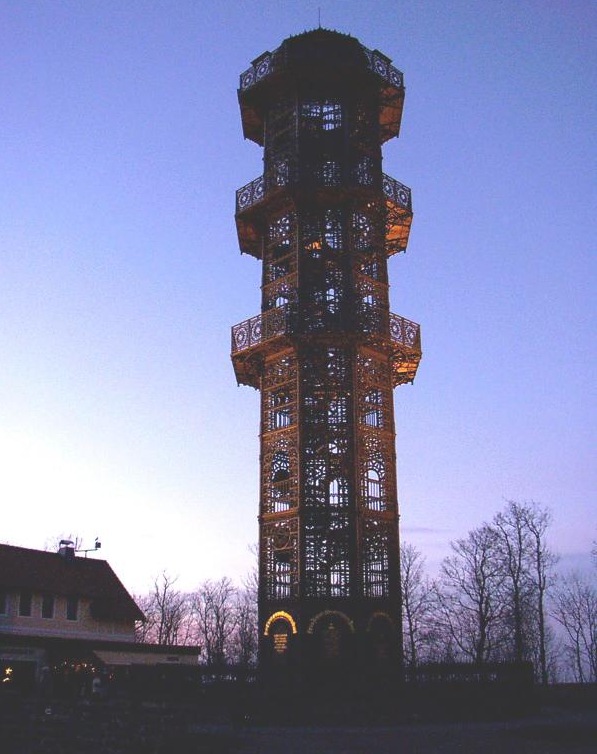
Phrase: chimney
pixel 66 548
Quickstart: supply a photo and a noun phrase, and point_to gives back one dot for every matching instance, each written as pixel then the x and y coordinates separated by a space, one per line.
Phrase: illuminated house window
pixel 25 601
pixel 47 606
pixel 72 608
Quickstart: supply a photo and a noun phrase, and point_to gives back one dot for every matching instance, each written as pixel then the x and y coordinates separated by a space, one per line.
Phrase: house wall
pixel 84 627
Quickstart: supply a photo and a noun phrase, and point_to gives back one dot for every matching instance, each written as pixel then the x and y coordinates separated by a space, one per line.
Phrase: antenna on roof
pixel 319 16
pixel 96 546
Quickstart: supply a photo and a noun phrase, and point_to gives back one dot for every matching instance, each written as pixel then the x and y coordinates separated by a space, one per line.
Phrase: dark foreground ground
pixel 543 735
pixel 102 728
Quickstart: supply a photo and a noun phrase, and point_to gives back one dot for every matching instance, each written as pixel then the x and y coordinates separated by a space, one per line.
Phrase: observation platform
pixel 252 201
pixel 268 333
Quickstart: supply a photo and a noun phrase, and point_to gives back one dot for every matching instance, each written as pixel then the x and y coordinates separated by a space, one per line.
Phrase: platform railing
pixel 276 322
pixel 255 191
pixel 261 328
pixel 270 62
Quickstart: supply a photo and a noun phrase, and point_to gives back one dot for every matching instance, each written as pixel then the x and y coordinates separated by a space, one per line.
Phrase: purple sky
pixel 120 275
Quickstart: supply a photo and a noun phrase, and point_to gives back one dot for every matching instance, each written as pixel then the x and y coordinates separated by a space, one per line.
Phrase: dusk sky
pixel 121 149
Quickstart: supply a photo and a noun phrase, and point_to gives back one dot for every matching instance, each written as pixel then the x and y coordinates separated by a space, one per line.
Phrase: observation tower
pixel 325 352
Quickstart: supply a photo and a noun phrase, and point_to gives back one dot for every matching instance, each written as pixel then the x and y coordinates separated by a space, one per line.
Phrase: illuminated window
pixel 72 608
pixel 25 602
pixel 47 606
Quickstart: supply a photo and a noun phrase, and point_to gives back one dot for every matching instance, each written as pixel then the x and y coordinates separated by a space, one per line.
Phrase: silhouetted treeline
pixel 218 616
pixel 497 598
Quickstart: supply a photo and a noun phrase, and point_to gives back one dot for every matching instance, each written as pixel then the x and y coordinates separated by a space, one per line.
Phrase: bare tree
pixel 244 639
pixel 513 548
pixel 537 520
pixel 216 620
pixel 167 614
pixel 417 603
pixel 470 596
pixel 576 611
pixel 145 629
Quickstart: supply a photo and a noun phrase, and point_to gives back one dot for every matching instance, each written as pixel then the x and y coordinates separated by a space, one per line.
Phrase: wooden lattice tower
pixel 325 352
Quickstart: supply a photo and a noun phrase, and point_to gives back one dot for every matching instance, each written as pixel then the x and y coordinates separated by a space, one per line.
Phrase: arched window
pixel 280 466
pixel 338 492
pixel 373 493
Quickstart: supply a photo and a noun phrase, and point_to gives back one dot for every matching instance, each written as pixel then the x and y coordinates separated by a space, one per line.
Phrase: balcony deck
pixel 397 196
pixel 255 338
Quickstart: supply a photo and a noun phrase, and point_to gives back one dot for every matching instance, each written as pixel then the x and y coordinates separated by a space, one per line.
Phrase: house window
pixel 47 606
pixel 25 600
pixel 3 603
pixel 72 608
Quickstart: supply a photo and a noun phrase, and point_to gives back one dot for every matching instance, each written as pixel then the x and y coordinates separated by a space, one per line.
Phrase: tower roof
pixel 323 47
pixel 316 59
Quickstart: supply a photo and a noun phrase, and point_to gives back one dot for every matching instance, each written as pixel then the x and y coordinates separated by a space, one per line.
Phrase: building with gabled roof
pixel 60 610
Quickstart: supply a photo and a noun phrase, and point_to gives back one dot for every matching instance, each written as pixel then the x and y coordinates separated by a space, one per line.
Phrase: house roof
pixel 42 571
